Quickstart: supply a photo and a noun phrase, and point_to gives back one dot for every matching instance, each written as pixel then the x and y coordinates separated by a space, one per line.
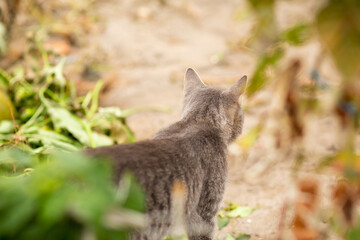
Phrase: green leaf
pixel 267 60
pixel 95 99
pixel 7 110
pixel 54 135
pixel 62 118
pixel 240 211
pixel 101 139
pixel 229 237
pixel 6 126
pixel 23 92
pixel 53 139
pixel 239 236
pixel 242 236
pixel 116 112
pixel 4 79
pixel 247 141
pixel 57 71
pixel 222 221
pixel 297 35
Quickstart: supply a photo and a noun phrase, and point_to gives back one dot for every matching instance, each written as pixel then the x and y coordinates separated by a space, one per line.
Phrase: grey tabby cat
pixel 193 151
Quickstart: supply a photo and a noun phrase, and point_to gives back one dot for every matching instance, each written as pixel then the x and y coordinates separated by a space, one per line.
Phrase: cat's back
pixel 168 145
pixel 168 154
pixel 138 154
pixel 155 156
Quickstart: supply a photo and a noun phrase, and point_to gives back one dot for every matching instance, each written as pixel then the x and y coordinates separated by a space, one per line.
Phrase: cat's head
pixel 215 107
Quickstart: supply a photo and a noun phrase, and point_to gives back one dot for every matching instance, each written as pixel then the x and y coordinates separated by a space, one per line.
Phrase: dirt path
pixel 150 46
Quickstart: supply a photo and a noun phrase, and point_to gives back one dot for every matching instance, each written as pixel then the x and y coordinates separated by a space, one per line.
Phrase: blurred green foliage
pixel 296 35
pixel 64 196
pixel 7 110
pixel 239 236
pixel 267 59
pixel 270 43
pixel 50 114
pixel 336 26
pixel 354 232
pixel 265 29
pixel 232 210
pixel 339 29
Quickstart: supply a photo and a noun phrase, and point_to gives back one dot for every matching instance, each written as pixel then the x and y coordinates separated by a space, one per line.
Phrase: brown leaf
pixel 59 46
pixel 309 188
pixel 344 199
pixel 305 234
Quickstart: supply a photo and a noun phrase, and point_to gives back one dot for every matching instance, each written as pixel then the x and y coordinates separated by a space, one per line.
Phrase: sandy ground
pixel 150 46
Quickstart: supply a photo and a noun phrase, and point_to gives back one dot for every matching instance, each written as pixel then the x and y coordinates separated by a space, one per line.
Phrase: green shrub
pixel 65 196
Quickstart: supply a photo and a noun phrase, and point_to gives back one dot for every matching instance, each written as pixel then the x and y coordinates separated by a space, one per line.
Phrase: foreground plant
pixel 65 197
pixel 298 96
pixel 45 112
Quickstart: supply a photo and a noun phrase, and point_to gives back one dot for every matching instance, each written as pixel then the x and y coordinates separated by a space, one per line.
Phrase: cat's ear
pixel 239 87
pixel 192 81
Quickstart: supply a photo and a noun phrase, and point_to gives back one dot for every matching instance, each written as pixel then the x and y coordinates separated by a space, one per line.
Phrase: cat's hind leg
pixel 198 228
pixel 202 220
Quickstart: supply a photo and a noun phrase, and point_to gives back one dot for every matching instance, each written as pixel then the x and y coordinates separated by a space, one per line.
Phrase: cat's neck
pixel 186 128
